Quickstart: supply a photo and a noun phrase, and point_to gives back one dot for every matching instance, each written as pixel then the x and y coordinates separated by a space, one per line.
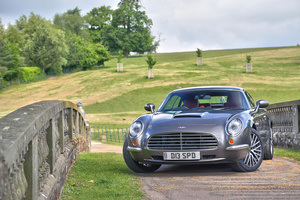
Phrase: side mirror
pixel 262 103
pixel 150 107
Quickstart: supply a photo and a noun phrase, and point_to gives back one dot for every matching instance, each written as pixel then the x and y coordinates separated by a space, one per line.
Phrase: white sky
pixel 189 24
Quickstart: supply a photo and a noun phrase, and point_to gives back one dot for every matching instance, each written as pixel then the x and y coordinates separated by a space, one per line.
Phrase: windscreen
pixel 203 100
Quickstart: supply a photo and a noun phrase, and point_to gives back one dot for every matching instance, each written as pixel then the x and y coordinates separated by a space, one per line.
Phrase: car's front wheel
pixel 255 155
pixel 269 147
pixel 134 165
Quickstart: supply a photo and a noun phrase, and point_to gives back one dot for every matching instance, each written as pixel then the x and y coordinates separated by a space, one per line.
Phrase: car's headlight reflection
pixel 136 128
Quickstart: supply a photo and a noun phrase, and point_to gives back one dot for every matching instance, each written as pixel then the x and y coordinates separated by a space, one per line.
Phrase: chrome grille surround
pixel 182 141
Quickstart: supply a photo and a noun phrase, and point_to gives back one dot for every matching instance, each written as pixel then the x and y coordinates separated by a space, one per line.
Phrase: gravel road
pixel 275 179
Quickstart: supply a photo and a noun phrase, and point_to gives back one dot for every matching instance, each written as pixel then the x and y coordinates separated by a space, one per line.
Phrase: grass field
pixel 101 176
pixel 116 99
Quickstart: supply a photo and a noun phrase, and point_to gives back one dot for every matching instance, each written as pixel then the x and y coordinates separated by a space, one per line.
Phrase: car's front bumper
pixel 231 154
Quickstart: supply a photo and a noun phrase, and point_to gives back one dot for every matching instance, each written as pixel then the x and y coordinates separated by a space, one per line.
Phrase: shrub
pixel 248 59
pixel 120 56
pixel 199 52
pixel 150 61
pixel 30 73
pixel 54 71
pixel 4 83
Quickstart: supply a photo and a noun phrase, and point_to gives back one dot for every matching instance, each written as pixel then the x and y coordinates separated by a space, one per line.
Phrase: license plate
pixel 182 155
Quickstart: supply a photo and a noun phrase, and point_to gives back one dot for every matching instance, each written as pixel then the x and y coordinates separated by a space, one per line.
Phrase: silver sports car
pixel 201 125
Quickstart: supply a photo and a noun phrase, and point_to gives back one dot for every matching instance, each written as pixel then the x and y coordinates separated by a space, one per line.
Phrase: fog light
pixel 231 141
pixel 134 143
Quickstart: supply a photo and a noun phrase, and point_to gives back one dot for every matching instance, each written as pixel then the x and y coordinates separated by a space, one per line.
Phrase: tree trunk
pixel 126 53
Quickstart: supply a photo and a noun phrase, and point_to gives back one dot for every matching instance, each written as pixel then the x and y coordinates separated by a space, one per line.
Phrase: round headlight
pixel 135 129
pixel 234 127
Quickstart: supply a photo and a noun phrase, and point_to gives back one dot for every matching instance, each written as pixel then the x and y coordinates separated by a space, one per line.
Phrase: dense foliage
pixel 72 41
pixel 30 73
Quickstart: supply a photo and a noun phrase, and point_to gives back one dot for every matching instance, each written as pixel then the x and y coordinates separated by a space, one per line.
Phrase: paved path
pixel 99 147
pixel 275 179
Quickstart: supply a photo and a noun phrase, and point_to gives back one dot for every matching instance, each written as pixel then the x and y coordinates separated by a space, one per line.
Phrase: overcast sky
pixel 189 24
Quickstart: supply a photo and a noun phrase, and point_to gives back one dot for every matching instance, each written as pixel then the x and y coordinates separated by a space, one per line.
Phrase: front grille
pixel 182 141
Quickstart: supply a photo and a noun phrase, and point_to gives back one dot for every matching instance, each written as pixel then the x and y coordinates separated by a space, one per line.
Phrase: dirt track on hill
pixel 275 179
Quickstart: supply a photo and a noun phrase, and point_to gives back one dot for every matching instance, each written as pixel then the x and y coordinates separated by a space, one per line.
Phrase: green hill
pixel 116 99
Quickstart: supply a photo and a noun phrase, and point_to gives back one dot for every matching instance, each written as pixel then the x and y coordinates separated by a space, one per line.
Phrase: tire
pixel 134 165
pixel 255 155
pixel 269 149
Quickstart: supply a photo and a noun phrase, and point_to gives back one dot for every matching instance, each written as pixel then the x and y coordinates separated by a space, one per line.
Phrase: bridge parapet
pixel 38 145
pixel 285 119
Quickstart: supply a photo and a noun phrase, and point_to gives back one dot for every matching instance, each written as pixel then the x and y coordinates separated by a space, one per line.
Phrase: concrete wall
pixel 285 119
pixel 38 145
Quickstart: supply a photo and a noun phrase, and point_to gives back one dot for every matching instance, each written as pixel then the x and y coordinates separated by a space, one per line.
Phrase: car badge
pixel 181 127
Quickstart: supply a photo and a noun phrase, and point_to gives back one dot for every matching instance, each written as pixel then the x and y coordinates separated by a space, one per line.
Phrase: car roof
pixel 210 88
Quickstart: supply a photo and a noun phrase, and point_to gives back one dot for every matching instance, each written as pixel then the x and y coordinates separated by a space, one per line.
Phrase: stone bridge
pixel 38 145
pixel 40 142
pixel 285 119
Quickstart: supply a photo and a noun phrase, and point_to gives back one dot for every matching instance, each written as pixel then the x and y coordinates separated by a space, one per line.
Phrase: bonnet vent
pixel 194 115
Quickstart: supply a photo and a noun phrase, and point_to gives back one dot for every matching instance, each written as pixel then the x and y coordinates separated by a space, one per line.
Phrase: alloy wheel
pixel 255 152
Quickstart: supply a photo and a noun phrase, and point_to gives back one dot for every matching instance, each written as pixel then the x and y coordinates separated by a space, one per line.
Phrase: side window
pixel 173 103
pixel 250 100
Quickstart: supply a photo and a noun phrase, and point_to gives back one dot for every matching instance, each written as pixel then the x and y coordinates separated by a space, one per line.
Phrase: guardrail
pixel 38 145
pixel 285 119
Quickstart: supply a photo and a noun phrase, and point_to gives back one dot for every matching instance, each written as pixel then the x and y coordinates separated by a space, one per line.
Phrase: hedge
pixel 30 73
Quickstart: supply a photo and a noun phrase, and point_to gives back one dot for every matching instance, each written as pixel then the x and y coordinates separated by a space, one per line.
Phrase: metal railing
pixel 108 134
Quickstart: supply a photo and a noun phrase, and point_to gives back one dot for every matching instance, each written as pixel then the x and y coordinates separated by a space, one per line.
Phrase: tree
pixel 150 61
pixel 72 23
pixel 155 44
pixel 120 56
pixel 2 30
pixel 248 58
pixel 5 59
pixel 10 59
pixel 131 28
pixel 3 71
pixel 14 68
pixel 84 54
pixel 14 35
pixel 45 46
pixel 22 22
pixel 199 52
pixel 99 19
pixel 5 55
pixel 103 54
pixel 15 43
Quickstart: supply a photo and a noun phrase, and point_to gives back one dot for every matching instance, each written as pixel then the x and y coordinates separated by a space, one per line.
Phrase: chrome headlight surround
pixel 136 128
pixel 234 127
